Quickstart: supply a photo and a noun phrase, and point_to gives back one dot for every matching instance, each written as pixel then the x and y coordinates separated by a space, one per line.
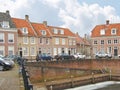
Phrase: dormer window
pixel 102 32
pixel 61 31
pixel 43 32
pixel 113 31
pixel 55 30
pixel 25 30
pixel 5 24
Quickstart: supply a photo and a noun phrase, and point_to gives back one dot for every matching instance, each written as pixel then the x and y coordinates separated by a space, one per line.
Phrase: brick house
pixel 27 38
pixel 106 38
pixel 8 35
pixel 83 45
pixel 45 39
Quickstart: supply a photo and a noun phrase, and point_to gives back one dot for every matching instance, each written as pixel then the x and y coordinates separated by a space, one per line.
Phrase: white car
pixel 103 55
pixel 79 56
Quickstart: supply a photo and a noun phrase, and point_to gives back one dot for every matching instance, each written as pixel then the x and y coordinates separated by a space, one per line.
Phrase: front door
pixel 115 52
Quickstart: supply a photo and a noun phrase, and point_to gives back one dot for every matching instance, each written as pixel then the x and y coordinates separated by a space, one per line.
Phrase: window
pixel 109 42
pixel 1 37
pixel 55 51
pixel 10 38
pixel 33 51
pixel 57 41
pixel 55 30
pixel 109 50
pixel 102 41
pixel 59 50
pixel 61 31
pixel 113 31
pixel 10 50
pixel 25 30
pixel 47 41
pixel 5 24
pixel 95 42
pixel 43 32
pixel 32 40
pixel 41 40
pixel 25 51
pixel 102 32
pixel 2 49
pixel 25 40
pixel 74 42
pixel 63 41
pixel 115 41
pixel 70 42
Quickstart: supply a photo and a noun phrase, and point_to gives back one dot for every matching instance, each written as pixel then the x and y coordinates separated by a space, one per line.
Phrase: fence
pixel 25 75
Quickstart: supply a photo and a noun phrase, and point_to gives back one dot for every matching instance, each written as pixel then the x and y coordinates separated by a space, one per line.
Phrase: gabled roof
pixel 107 28
pixel 66 31
pixel 6 17
pixel 38 27
pixel 80 40
pixel 22 23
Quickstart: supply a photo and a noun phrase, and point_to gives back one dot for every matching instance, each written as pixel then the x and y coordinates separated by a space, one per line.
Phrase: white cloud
pixel 83 17
pixel 78 16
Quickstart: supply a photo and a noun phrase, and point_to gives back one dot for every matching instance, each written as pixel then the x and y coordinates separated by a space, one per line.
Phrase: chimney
pixel 27 17
pixel 107 22
pixel 7 12
pixel 45 23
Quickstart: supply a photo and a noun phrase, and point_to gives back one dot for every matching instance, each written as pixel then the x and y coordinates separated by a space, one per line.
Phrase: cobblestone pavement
pixel 10 80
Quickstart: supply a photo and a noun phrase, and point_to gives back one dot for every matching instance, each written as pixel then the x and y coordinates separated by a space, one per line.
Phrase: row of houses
pixel 27 39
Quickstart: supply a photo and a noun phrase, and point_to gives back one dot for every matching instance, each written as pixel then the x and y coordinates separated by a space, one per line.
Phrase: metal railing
pixel 25 75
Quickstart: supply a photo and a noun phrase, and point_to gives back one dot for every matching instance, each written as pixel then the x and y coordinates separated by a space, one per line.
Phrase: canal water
pixel 109 85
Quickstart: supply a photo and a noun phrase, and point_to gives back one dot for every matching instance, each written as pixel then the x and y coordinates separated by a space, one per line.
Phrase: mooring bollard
pixel 93 78
pixel 110 75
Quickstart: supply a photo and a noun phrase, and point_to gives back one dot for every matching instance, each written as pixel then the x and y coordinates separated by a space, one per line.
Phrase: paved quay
pixel 10 80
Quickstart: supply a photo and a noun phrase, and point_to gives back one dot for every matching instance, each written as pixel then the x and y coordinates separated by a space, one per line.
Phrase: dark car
pixel 64 57
pixel 4 65
pixel 43 56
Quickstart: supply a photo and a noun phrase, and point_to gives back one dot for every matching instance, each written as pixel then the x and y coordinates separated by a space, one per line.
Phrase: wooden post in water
pixel 93 80
pixel 110 75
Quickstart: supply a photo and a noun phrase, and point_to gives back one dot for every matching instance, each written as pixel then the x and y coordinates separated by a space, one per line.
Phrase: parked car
pixel 79 56
pixel 103 55
pixel 43 56
pixel 64 56
pixel 4 65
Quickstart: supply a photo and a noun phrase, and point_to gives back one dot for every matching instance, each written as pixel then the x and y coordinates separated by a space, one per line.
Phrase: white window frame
pixel 25 40
pixel 47 41
pixel 25 51
pixel 70 42
pixel 10 49
pixel 55 51
pixel 5 24
pixel 61 31
pixel 2 50
pixel 63 41
pixel 32 40
pixel 2 38
pixel 102 32
pixel 57 41
pixel 25 30
pixel 43 32
pixel 55 30
pixel 10 38
pixel 115 31
pixel 32 51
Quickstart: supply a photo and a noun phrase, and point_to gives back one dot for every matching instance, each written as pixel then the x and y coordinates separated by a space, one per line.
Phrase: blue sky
pixel 78 15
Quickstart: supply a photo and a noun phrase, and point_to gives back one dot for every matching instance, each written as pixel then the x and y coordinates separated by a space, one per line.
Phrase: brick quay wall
pixel 92 64
pixel 48 71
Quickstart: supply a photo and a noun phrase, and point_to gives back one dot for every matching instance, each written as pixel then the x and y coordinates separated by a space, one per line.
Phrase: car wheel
pixel 1 68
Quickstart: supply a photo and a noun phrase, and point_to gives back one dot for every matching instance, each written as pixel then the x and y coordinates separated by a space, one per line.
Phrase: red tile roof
pixel 21 23
pixel 39 27
pixel 67 32
pixel 96 30
pixel 81 40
